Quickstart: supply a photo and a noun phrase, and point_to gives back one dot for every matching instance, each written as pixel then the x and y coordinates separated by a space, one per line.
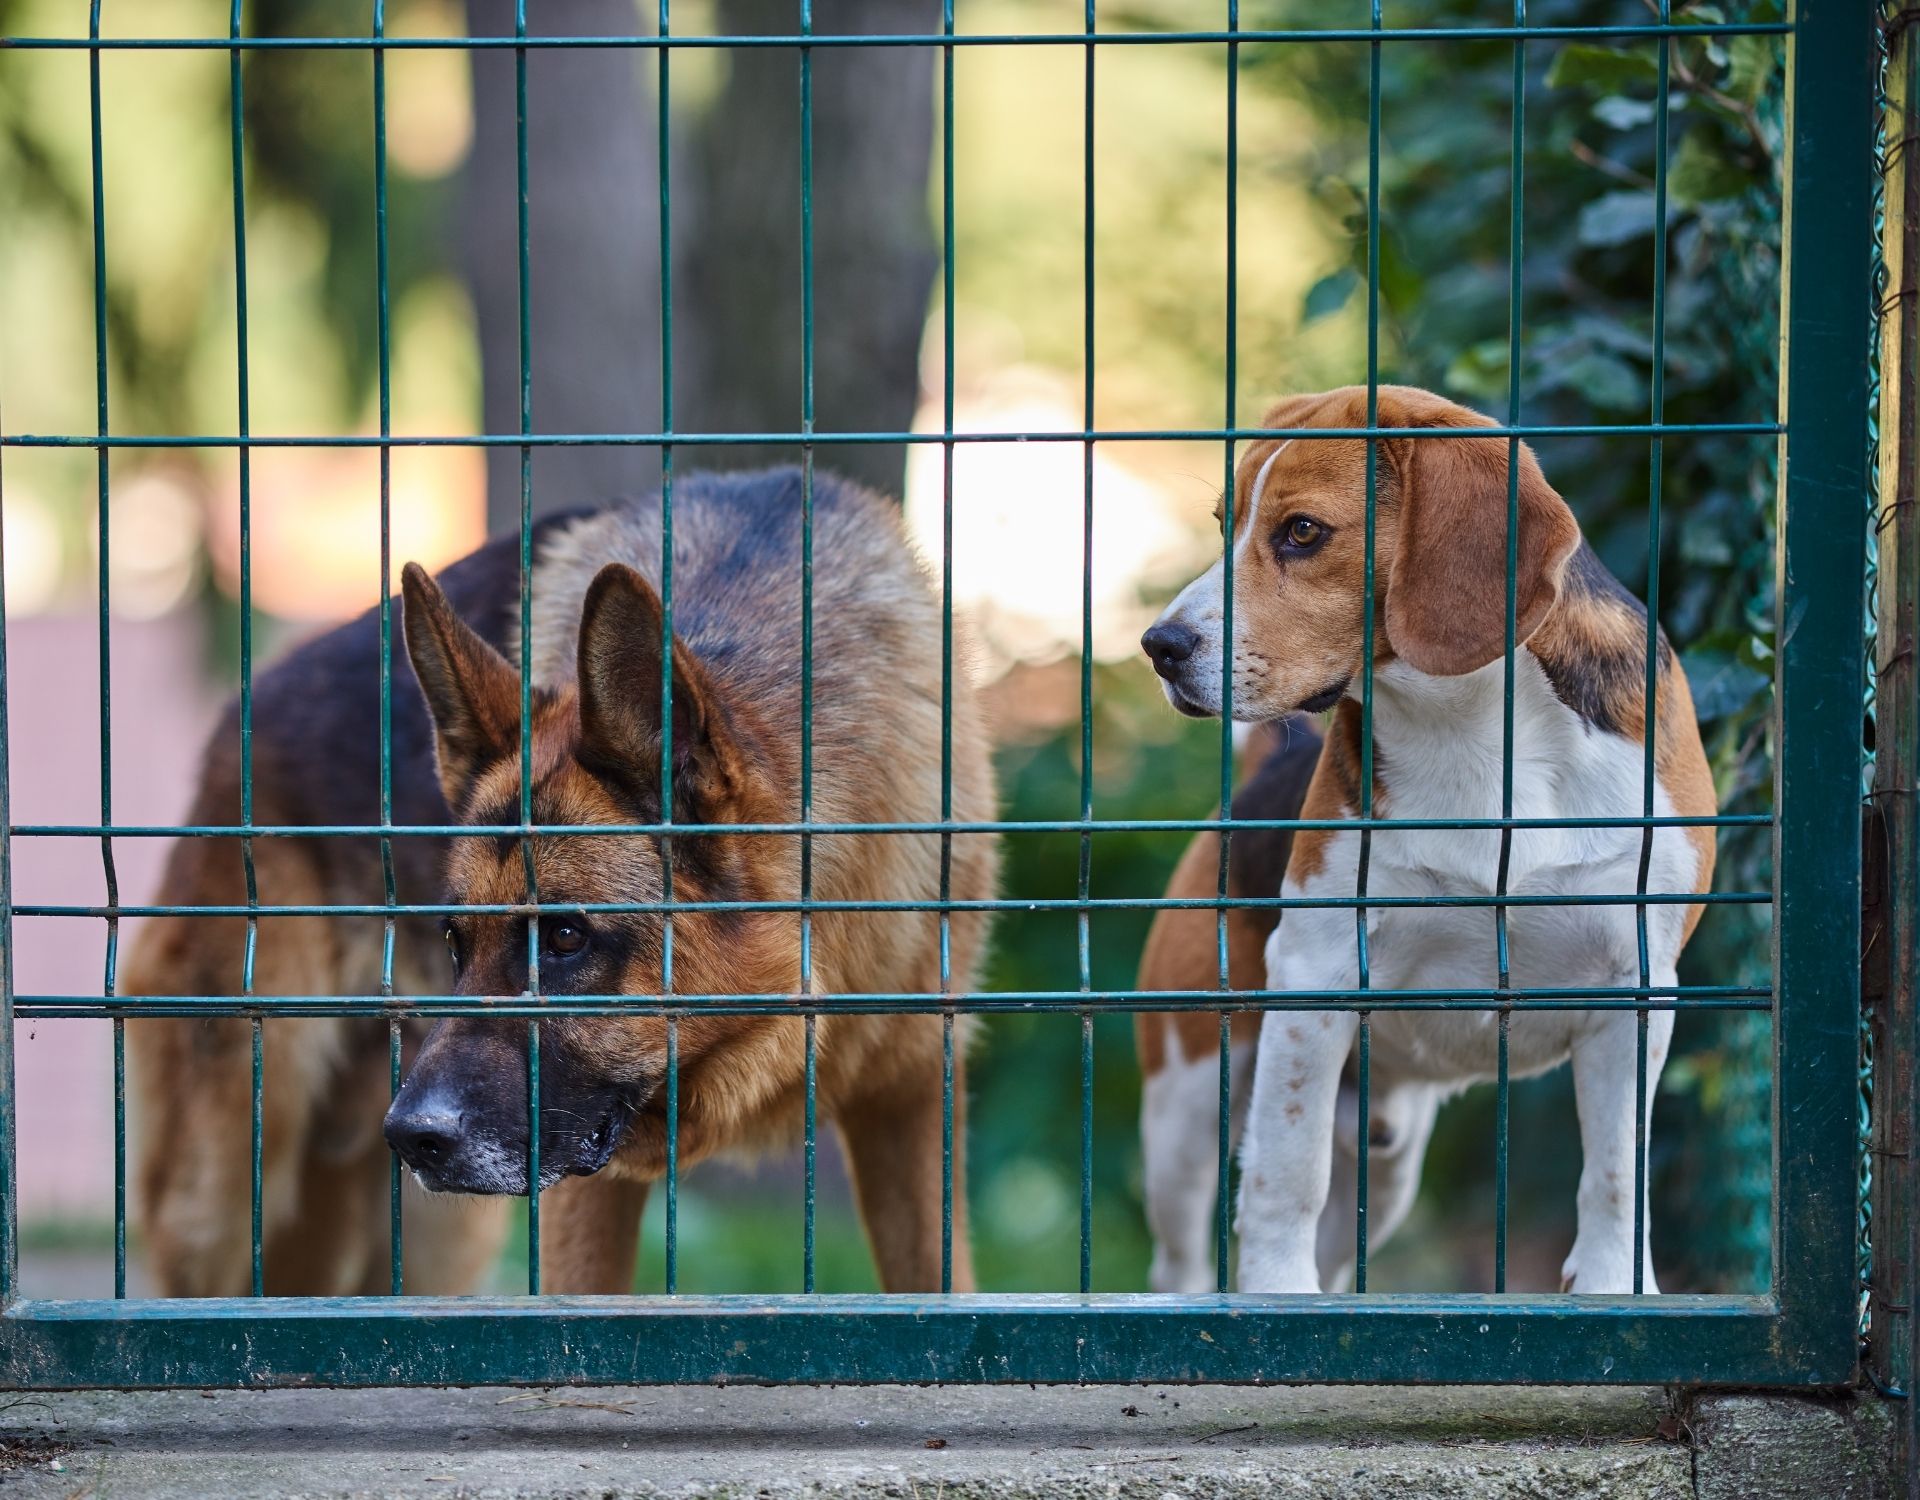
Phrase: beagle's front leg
pixel 1287 1160
pixel 1605 1067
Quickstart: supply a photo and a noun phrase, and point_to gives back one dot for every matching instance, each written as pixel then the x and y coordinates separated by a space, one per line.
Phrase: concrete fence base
pixel 1147 1442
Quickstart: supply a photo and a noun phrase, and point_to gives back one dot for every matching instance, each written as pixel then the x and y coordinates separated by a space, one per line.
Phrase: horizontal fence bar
pixel 934 904
pixel 1674 997
pixel 824 439
pixel 1029 1337
pixel 891 39
pixel 678 830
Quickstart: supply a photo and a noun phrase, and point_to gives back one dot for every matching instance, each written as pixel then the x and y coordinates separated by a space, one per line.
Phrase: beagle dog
pixel 1579 721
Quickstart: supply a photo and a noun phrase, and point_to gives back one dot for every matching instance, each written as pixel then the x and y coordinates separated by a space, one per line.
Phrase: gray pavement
pixel 931 1444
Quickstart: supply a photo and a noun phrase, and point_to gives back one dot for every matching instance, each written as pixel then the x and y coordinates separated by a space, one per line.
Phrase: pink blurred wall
pixel 163 706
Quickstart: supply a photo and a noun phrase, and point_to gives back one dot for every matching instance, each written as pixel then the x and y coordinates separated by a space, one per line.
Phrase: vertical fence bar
pixel 103 504
pixel 806 615
pixel 673 1155
pixel 1516 253
pixel 1086 689
pixel 237 107
pixel 383 305
pixel 1827 297
pixel 523 234
pixel 9 1117
pixel 1224 1163
pixel 1364 977
pixel 1657 399
pixel 663 56
pixel 946 646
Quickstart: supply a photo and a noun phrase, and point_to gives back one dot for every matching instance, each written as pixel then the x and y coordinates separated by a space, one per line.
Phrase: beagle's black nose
pixel 1169 645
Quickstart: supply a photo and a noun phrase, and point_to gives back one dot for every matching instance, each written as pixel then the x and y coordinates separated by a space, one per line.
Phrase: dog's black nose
pixel 424 1138
pixel 1169 645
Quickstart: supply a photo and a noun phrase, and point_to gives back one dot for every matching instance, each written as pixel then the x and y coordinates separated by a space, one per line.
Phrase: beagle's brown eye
pixel 565 937
pixel 1302 534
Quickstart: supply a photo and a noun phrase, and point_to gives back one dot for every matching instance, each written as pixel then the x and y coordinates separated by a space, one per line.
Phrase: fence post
pixel 1893 916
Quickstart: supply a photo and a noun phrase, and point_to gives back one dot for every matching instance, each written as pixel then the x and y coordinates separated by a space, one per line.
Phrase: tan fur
pixel 1182 953
pixel 1680 763
pixel 876 758
pixel 324 1179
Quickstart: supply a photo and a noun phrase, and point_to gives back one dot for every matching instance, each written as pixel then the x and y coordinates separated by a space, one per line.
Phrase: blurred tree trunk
pixel 594 264
pixel 873 246
pixel 594 191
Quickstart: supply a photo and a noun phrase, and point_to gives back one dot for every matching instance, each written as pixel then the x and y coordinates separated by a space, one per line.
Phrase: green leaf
pixel 1751 61
pixel 1604 380
pixel 1328 295
pixel 1703 541
pixel 1722 685
pixel 1605 70
pixel 1616 218
pixel 1701 172
pixel 1479 372
pixel 1618 112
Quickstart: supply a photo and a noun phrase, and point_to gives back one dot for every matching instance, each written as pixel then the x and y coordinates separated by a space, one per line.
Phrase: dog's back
pixel 738 605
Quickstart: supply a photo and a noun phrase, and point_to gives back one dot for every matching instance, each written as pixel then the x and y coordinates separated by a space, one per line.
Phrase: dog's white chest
pixel 1443 761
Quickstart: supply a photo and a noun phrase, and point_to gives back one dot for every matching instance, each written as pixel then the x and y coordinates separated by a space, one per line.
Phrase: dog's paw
pixel 1602 1275
pixel 1179 1274
pixel 1278 1275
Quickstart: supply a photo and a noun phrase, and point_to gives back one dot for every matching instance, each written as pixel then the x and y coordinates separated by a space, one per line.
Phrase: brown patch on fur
pixel 1680 763
pixel 1334 779
pixel 1182 951
pixel 1446 607
pixel 1439 546
pixel 590 1227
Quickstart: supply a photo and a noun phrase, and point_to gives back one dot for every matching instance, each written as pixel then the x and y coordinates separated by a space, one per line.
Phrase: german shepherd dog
pixel 460 1122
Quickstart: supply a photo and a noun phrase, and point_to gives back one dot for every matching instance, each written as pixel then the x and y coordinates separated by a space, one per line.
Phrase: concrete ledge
pixel 955 1444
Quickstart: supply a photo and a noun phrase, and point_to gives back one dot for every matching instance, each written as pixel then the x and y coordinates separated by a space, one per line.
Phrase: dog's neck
pixel 1440 740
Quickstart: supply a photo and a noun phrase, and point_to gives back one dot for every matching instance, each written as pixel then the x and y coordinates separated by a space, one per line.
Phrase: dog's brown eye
pixel 453 945
pixel 565 938
pixel 1304 532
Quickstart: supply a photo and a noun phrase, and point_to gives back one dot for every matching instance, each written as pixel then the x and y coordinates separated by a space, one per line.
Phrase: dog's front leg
pixel 1604 1068
pixel 1287 1161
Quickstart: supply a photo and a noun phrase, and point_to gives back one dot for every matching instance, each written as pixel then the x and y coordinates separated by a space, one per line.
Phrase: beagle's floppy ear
pixel 472 693
pixel 1446 607
pixel 621 623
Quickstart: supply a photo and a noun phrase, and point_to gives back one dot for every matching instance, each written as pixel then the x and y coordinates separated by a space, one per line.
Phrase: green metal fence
pixel 1802 1330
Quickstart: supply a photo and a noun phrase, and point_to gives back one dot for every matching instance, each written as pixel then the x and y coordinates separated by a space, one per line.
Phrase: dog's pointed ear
pixel 622 625
pixel 1446 611
pixel 472 692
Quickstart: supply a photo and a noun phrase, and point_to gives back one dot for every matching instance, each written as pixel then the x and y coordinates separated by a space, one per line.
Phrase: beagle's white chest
pixel 1573 921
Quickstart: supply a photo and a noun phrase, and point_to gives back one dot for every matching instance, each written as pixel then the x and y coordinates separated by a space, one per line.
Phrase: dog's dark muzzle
pixel 460 1120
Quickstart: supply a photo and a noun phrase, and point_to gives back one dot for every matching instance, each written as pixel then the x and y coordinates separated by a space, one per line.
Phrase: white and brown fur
pixel 595 737
pixel 1578 746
